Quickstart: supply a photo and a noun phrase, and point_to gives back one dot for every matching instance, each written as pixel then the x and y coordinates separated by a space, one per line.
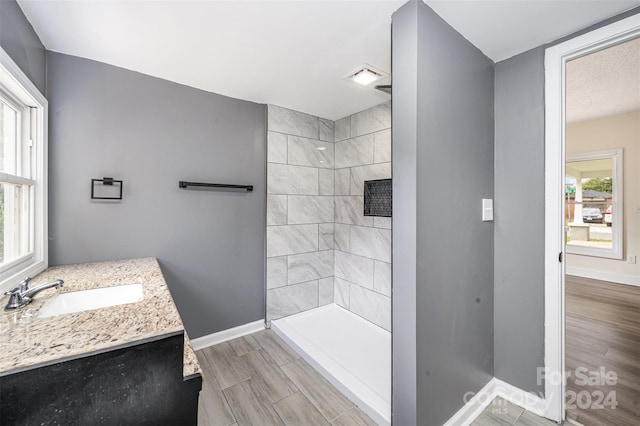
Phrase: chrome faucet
pixel 22 294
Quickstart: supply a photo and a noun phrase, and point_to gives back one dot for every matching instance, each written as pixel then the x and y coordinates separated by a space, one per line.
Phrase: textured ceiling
pixel 604 83
pixel 290 53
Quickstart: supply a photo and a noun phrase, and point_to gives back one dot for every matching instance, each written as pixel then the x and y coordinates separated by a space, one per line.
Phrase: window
pixel 23 112
pixel 593 192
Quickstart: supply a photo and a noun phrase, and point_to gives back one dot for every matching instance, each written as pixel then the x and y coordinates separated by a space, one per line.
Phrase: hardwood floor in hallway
pixel 603 331
pixel 259 380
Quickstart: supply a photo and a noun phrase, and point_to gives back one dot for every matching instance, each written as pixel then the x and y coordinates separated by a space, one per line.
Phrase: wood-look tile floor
pixel 502 413
pixel 259 380
pixel 603 330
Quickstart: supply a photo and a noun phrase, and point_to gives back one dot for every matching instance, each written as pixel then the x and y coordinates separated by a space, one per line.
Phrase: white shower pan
pixel 350 352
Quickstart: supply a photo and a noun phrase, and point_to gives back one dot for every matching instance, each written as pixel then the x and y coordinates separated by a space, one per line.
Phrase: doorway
pixel 578 236
pixel 602 286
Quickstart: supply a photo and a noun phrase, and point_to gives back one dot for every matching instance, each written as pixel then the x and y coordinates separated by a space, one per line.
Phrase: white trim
pixel 604 276
pixel 16 78
pixel 617 161
pixel 4 177
pixel 13 79
pixel 224 335
pixel 554 285
pixel 554 234
pixel 496 388
pixel 474 407
pixel 527 400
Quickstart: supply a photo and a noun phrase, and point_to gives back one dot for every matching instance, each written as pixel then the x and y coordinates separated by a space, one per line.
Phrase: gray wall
pixel 454 250
pixel 519 243
pixel 519 250
pixel 404 140
pixel 151 133
pixel 20 41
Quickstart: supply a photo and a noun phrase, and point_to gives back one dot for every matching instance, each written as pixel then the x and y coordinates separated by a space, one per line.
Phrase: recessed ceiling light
pixel 366 75
pixel 321 148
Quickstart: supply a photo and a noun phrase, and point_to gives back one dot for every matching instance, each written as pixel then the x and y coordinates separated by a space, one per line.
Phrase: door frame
pixel 554 281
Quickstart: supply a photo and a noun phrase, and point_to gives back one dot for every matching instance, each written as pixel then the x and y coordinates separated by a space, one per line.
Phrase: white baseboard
pixel 474 407
pixel 603 276
pixel 526 400
pixel 494 388
pixel 224 335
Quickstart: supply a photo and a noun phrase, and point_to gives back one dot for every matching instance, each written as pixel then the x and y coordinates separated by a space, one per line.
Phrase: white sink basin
pixel 77 301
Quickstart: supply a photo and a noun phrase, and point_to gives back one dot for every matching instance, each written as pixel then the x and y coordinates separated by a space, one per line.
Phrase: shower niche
pixel 377 198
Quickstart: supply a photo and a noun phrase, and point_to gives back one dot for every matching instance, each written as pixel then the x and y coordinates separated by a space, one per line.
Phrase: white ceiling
pixel 604 83
pixel 289 53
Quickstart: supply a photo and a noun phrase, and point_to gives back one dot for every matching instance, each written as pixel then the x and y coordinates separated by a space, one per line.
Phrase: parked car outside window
pixel 608 216
pixel 591 215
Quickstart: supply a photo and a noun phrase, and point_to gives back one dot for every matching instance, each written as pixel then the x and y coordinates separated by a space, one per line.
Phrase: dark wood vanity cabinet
pixel 136 385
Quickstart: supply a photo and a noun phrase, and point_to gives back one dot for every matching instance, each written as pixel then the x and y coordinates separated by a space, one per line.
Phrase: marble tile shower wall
pixel 320 247
pixel 362 249
pixel 300 212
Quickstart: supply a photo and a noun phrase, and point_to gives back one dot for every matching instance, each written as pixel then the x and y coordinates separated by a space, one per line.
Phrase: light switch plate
pixel 487 209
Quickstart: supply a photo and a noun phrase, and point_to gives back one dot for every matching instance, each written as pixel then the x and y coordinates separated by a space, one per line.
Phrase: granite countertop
pixel 28 342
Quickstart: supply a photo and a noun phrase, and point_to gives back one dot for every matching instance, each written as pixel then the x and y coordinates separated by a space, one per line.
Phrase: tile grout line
pixel 359 255
pixel 373 290
pixel 333 286
pixel 210 370
pixel 257 389
pixel 233 414
pixel 308 397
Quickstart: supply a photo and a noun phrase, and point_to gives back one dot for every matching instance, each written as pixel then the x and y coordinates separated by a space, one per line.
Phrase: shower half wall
pixel 328 265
